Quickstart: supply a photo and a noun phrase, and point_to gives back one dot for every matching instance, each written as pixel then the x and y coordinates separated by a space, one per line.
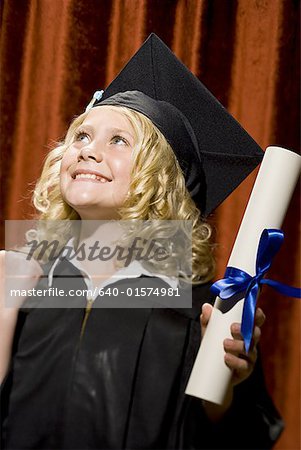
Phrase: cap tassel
pixel 96 96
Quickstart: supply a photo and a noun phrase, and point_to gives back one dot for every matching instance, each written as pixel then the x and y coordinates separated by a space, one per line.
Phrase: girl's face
pixel 95 169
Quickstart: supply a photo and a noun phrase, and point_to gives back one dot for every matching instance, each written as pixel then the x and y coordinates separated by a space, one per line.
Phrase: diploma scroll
pixel 267 207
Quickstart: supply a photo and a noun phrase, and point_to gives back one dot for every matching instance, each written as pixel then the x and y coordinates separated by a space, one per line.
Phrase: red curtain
pixel 56 53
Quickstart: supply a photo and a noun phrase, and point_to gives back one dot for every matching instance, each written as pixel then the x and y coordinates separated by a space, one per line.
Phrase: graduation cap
pixel 215 153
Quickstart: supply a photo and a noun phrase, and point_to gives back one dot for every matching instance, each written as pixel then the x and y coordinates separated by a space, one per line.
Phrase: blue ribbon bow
pixel 237 281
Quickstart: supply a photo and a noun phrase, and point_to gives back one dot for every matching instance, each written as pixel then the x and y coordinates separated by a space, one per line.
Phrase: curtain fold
pixel 37 103
pixel 55 54
pixel 126 33
pixel 188 18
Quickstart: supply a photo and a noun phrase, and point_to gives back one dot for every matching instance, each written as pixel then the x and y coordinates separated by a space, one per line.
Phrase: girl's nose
pixel 91 151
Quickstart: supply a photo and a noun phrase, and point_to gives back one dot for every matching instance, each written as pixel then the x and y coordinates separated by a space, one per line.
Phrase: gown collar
pixel 134 270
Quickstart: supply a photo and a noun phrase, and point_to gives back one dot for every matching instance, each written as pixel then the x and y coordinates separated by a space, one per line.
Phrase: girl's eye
pixel 82 136
pixel 119 140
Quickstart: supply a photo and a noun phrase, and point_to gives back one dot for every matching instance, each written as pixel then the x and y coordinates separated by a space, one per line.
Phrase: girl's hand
pixel 25 274
pixel 236 358
pixel 17 273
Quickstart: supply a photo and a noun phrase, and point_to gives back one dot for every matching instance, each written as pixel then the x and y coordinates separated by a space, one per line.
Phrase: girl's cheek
pixel 67 160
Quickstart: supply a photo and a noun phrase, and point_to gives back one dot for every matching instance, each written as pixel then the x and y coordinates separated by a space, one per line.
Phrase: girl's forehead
pixel 106 115
pixel 107 119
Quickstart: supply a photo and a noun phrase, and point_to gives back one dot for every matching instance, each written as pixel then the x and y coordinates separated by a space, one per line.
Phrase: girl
pixel 94 374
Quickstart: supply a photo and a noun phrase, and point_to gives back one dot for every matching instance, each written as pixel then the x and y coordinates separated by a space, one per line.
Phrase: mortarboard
pixel 215 153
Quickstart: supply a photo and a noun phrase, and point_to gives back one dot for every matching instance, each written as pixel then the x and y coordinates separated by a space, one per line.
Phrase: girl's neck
pixel 98 240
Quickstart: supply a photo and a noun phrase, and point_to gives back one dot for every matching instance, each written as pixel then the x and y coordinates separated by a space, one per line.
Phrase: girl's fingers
pixel 259 317
pixel 236 333
pixel 256 336
pixel 237 348
pixel 234 346
pixel 240 365
pixel 206 313
pixel 236 358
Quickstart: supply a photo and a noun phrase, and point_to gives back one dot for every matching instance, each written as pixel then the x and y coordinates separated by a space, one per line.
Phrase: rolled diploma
pixel 270 197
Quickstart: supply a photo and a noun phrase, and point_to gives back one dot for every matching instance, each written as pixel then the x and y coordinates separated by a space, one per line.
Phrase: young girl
pixel 93 374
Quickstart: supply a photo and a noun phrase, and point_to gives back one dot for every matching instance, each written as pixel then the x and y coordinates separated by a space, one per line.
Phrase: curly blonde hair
pixel 157 190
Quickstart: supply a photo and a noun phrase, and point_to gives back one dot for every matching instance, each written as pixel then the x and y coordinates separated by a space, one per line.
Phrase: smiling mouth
pixel 90 177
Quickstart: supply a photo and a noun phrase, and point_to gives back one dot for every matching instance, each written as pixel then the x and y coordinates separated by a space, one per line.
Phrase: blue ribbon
pixel 237 281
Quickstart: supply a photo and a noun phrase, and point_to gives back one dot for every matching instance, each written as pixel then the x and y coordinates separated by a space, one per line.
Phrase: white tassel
pixel 96 96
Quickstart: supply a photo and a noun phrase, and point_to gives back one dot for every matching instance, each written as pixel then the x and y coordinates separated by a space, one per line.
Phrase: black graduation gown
pixel 121 386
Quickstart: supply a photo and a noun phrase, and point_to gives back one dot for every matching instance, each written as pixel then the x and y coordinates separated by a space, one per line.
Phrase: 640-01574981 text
pixel 108 291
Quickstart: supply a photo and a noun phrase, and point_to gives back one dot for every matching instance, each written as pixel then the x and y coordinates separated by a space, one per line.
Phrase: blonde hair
pixel 157 190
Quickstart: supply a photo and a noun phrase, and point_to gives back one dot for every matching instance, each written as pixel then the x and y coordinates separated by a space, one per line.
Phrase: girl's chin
pixel 96 211
pixel 83 205
pixel 83 200
pixel 86 214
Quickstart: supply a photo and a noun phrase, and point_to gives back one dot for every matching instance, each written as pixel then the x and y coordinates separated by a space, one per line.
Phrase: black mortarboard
pixel 215 153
